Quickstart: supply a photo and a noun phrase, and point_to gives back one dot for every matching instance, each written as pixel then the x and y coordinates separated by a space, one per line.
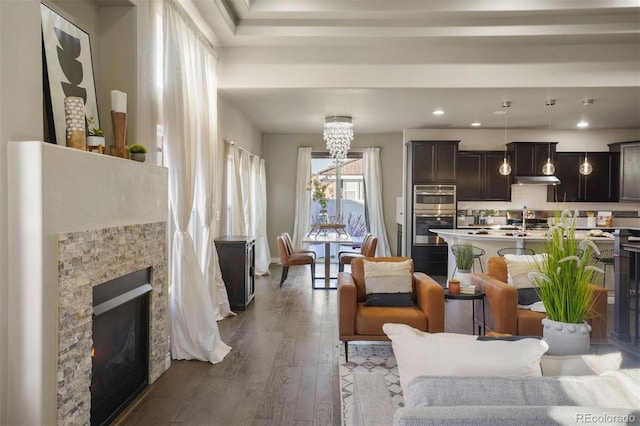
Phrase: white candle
pixel 118 101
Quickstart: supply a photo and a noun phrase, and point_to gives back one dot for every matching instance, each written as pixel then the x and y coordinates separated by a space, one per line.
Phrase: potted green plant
pixel 318 190
pixel 138 152
pixel 95 135
pixel 563 278
pixel 464 263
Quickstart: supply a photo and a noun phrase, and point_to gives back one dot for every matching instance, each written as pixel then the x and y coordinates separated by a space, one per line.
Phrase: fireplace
pixel 120 351
pixel 91 266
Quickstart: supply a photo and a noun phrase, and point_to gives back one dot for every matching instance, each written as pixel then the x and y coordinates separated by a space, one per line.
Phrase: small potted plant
pixel 464 263
pixel 95 135
pixel 318 188
pixel 138 152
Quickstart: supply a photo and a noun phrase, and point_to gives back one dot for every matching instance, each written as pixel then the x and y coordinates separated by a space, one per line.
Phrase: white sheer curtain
pixel 248 203
pixel 263 253
pixel 194 330
pixel 205 192
pixel 372 172
pixel 302 220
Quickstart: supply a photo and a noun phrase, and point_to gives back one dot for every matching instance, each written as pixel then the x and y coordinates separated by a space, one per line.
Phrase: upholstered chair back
pixel 288 242
pixel 284 251
pixel 369 246
pixel 497 268
pixel 357 272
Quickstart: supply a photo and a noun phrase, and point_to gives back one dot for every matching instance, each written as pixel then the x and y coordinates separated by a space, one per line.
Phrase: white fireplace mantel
pixel 55 190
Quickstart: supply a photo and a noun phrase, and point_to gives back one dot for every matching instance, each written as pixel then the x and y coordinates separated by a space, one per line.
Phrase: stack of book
pixel 470 289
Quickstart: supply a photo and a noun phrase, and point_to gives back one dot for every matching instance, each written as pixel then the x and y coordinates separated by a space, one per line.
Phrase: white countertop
pixel 504 235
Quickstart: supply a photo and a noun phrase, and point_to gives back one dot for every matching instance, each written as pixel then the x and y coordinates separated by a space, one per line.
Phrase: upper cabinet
pixel 529 157
pixel 479 179
pixel 629 170
pixel 434 161
pixel 600 186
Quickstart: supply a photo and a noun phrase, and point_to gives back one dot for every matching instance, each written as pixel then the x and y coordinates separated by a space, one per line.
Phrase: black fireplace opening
pixel 120 352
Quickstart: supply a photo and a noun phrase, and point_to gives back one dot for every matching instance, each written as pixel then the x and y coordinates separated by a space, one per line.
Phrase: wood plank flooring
pixel 282 369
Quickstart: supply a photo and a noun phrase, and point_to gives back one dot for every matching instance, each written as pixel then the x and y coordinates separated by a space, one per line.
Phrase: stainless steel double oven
pixel 434 207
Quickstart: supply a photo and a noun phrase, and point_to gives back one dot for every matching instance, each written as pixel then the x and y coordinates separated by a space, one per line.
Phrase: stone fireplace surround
pixel 89 258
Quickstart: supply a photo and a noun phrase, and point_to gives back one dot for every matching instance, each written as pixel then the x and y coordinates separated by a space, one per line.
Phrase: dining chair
pixel 288 259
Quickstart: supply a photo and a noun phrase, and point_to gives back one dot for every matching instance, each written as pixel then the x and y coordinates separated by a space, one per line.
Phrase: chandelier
pixel 338 134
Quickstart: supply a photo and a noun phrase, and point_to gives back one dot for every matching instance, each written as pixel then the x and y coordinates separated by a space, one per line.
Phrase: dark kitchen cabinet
pixel 434 161
pixel 431 259
pixel 600 186
pixel 237 263
pixel 630 171
pixel 479 178
pixel 569 189
pixel 529 157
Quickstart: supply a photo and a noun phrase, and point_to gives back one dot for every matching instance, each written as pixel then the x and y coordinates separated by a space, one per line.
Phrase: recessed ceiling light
pixel 582 124
pixel 438 112
pixel 476 124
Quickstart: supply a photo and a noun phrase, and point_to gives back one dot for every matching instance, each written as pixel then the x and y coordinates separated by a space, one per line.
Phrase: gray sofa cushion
pixel 615 389
pixel 521 416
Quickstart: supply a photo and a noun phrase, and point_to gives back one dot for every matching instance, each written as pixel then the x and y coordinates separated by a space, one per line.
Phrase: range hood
pixel 536 180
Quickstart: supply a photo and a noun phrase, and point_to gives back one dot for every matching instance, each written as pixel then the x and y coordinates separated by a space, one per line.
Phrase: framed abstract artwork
pixel 67 71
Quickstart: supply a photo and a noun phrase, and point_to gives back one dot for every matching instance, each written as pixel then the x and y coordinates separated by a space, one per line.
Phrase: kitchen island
pixel 493 239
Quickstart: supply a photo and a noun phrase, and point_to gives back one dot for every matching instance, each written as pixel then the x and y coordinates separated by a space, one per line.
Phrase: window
pixel 344 190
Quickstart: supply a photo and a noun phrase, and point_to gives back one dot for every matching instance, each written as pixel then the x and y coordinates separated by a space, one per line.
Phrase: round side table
pixel 478 295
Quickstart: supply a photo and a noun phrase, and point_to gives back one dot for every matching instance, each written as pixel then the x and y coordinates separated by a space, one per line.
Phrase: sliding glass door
pixel 343 189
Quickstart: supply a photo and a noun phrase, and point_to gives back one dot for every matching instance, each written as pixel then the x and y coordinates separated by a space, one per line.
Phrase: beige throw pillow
pixel 388 277
pixel 518 268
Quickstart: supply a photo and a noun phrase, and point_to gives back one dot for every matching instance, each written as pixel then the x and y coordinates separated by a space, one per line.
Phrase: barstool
pixel 477 254
pixel 606 257
pixel 515 250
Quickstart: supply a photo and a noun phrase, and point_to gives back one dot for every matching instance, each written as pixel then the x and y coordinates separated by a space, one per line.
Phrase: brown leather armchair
pixel 368 249
pixel 359 322
pixel 501 306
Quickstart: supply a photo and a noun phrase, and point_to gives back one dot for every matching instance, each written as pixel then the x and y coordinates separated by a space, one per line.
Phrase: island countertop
pixel 534 235
pixel 495 239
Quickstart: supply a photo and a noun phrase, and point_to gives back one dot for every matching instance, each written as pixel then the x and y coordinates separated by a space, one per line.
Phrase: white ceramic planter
pixel 139 156
pixel 95 141
pixel 564 338
pixel 464 277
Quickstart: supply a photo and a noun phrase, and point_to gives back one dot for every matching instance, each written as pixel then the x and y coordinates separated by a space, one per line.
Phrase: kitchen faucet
pixel 524 219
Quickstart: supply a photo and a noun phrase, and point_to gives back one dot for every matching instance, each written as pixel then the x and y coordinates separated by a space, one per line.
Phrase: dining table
pixel 327 238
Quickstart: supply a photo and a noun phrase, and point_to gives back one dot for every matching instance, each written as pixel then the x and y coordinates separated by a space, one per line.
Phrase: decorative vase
pixel 74 117
pixel 566 338
pixel 323 217
pixel 138 156
pixel 464 276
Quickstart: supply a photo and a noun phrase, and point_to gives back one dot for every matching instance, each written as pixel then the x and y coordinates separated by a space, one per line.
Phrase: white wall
pixel 53 190
pixel 281 156
pixel 20 119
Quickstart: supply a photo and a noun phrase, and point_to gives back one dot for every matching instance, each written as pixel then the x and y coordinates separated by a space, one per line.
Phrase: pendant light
pixel 586 168
pixel 549 169
pixel 505 168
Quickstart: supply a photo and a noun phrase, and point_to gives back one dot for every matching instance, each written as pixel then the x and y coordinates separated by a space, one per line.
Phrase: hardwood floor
pixel 282 369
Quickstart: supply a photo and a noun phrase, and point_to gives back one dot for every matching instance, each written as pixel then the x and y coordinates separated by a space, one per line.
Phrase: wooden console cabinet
pixel 237 263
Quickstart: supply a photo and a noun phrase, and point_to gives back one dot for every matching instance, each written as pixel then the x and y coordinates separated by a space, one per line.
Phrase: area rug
pixel 368 358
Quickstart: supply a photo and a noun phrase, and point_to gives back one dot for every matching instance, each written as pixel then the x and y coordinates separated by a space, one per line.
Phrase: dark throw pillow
pixel 527 296
pixel 389 299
